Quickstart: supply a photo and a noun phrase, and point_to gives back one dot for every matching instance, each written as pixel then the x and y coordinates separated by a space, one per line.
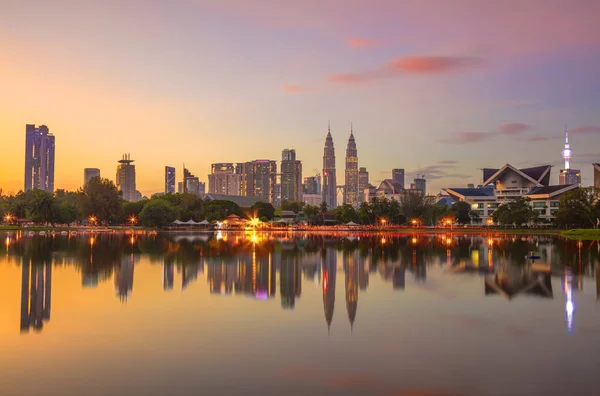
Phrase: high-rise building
pixel 398 176
pixel 363 182
pixel 351 183
pixel 329 177
pixel 420 184
pixel 126 178
pixel 597 175
pixel 89 174
pixel 170 180
pixel 191 183
pixel 224 179
pixel 264 180
pixel 246 172
pixel 39 158
pixel 291 176
pixel 312 185
pixel 568 175
pixel 179 187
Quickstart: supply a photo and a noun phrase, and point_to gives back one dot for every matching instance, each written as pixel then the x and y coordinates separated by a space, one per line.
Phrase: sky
pixel 439 87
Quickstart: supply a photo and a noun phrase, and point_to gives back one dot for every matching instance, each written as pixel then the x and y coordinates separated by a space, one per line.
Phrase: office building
pixel 420 184
pixel 597 176
pixel 89 174
pixel 179 187
pixel 312 185
pixel 39 158
pixel 398 176
pixel 329 177
pixel 126 178
pixel 291 176
pixel 170 180
pixel 264 175
pixel 363 182
pixel 191 183
pixel 567 175
pixel 312 199
pixel 351 180
pixel 246 172
pixel 224 180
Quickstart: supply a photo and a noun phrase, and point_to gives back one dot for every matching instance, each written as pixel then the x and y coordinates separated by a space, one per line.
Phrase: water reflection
pixel 252 264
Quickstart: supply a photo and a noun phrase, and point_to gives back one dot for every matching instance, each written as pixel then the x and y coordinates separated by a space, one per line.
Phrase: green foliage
pixel 413 203
pixel 264 210
pixel 433 214
pixel 218 210
pixel 462 212
pixel 516 212
pixel 102 199
pixel 133 208
pixel 158 213
pixel 579 208
pixel 323 207
pixel 311 211
pixel 294 206
pixel 346 213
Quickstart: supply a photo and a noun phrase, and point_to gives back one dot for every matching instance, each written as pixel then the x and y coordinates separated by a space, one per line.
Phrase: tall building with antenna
pixel 39 158
pixel 329 180
pixel 567 175
pixel 351 183
pixel 126 178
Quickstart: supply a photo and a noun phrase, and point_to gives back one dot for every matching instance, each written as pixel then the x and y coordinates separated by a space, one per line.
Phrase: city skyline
pixel 512 83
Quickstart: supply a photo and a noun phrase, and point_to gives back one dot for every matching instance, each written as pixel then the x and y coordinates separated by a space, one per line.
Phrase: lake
pixel 298 314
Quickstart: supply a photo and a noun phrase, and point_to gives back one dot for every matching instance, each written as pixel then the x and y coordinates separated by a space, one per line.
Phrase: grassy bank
pixel 586 234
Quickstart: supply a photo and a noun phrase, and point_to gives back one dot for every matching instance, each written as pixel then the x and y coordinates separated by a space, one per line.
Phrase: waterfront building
pixel 312 184
pixel 387 189
pixel 291 176
pixel 126 178
pixel 596 175
pixel 89 174
pixel 329 176
pixel 351 180
pixel 568 175
pixel 170 180
pixel 363 182
pixel 398 176
pixel 508 183
pixel 224 179
pixel 39 158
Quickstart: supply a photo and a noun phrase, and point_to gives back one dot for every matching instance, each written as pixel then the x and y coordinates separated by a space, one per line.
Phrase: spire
pixel 567 153
pixel 329 130
pixel 566 135
pixel 351 132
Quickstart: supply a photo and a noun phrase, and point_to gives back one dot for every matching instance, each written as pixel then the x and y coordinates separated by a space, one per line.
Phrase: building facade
pixel 420 184
pixel 126 178
pixel 191 183
pixel 312 185
pixel 569 176
pixel 596 175
pixel 398 176
pixel 89 174
pixel 39 158
pixel 508 183
pixel 170 180
pixel 363 182
pixel 291 176
pixel 329 177
pixel 264 174
pixel 224 179
pixel 351 181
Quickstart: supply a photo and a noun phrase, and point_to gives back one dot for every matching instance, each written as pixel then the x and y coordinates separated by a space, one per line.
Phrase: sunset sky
pixel 441 87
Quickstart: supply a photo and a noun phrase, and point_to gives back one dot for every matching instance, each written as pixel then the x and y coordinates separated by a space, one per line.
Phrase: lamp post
pixel 132 220
pixel 8 218
pixel 92 219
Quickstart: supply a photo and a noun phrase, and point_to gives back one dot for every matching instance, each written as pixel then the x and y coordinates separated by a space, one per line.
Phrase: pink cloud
pixel 585 129
pixel 540 138
pixel 466 137
pixel 295 88
pixel 408 65
pixel 360 42
pixel 513 129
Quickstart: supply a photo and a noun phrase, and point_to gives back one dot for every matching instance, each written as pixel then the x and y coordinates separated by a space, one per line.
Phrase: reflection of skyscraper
pixel 351 269
pixel 36 294
pixel 290 280
pixel 189 273
pixel 168 275
pixel 124 278
pixel 221 277
pixel 329 278
pixel 363 273
pixel 399 279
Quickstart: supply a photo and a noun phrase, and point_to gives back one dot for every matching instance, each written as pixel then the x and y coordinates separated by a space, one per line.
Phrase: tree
pixel 462 211
pixel 294 206
pixel 579 208
pixel 42 208
pixel 345 213
pixel 414 202
pixel 516 212
pixel 323 207
pixel 103 200
pixel 133 208
pixel 365 213
pixel 264 210
pixel 311 211
pixel 158 213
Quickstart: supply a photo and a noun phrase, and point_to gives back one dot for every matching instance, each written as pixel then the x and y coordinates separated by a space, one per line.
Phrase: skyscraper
pixel 291 176
pixel 39 158
pixel 398 176
pixel 126 178
pixel 568 175
pixel 312 185
pixel 191 183
pixel 351 190
pixel 265 177
pixel 420 183
pixel 89 174
pixel 363 182
pixel 170 180
pixel 224 179
pixel 597 175
pixel 329 179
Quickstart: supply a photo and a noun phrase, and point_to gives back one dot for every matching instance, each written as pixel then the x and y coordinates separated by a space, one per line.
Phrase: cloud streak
pixel 295 88
pixel 509 129
pixel 361 42
pixel 410 65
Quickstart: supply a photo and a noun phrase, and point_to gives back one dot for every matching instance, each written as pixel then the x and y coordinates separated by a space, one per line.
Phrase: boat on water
pixel 64 233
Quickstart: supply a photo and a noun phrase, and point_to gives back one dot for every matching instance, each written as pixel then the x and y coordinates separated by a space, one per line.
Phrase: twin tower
pixel 350 188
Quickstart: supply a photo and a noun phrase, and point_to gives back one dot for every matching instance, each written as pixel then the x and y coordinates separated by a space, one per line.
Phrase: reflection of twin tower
pixel 36 294
pixel 356 275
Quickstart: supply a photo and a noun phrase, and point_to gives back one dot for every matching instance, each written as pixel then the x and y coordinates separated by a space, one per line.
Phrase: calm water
pixel 302 314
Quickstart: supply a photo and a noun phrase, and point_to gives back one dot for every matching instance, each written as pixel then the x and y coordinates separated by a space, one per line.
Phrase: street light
pixel 415 222
pixel 92 219
pixel 132 220
pixel 489 222
pixel 8 218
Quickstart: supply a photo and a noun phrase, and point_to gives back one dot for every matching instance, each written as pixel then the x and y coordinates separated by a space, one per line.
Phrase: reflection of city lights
pixel 92 241
pixel 132 240
pixel 254 238
pixel 490 241
pixel 7 242
pixel 219 235
pixel 383 241
pixel 414 240
pixel 569 306
pixel 448 241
